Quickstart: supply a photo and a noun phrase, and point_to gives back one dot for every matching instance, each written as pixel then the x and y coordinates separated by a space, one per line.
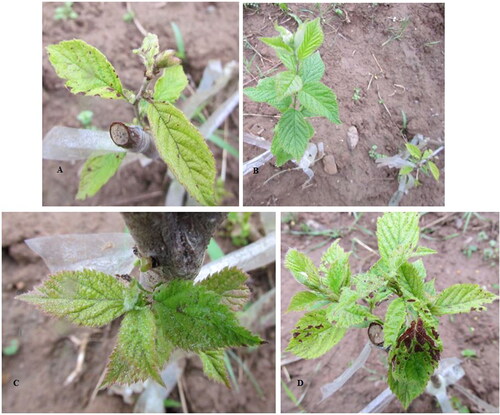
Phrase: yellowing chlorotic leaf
pixel 314 335
pixel 85 69
pixel 347 312
pixel 462 298
pixel 335 265
pixel 88 297
pixel 193 318
pixel 214 366
pixel 184 149
pixel 148 50
pixel 135 357
pixel 169 86
pixel 96 172
pixel 229 283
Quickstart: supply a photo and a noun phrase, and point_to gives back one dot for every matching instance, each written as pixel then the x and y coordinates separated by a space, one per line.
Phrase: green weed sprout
pixel 297 92
pixel 179 143
pixel 65 12
pixel 195 317
pixel 336 301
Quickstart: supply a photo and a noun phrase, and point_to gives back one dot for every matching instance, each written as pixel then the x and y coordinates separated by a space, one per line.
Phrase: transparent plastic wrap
pixel 70 144
pixel 110 253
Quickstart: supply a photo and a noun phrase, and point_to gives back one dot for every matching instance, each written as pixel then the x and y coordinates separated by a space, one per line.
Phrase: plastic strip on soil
pixel 329 389
pixel 257 254
pixel 110 253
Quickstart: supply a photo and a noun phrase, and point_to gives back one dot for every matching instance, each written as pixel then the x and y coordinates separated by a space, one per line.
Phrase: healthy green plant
pixel 179 143
pixel 196 317
pixel 336 301
pixel 65 12
pixel 297 92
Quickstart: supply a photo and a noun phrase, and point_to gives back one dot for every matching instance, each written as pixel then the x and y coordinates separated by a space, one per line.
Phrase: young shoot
pixel 336 301
pixel 297 92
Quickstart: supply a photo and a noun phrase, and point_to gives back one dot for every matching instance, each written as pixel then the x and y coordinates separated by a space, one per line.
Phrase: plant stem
pixel 176 242
pixel 145 83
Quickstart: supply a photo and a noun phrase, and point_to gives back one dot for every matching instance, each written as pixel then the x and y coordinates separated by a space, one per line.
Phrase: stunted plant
pixel 159 314
pixel 297 92
pixel 161 129
pixel 336 301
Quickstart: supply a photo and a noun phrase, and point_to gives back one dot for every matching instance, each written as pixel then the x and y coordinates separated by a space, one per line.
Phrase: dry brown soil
pixel 409 77
pixel 477 331
pixel 209 30
pixel 47 356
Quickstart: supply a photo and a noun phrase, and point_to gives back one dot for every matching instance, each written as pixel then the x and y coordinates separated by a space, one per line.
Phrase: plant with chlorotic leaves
pixel 179 143
pixel 297 92
pixel 336 301
pixel 197 317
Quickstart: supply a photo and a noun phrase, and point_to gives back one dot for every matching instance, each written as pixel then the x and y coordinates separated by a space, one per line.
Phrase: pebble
pixel 329 164
pixel 352 137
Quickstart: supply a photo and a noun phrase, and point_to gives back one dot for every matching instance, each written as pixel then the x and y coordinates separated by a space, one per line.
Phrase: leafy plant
pixel 176 315
pixel 336 301
pixel 179 143
pixel 373 153
pixel 420 162
pixel 65 12
pixel 297 92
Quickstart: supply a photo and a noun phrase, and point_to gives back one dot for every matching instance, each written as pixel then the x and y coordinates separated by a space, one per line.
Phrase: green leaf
pixel 184 150
pixel 287 58
pixel 193 318
pixel 347 312
pixel 335 264
pixel 282 105
pixel 412 379
pixel 148 50
pixel 414 150
pixel 423 251
pixel 397 234
pixel 277 43
pixel 320 100
pixel 214 366
pixel 96 172
pixel 468 353
pixel 304 300
pixel 368 283
pixel 312 68
pixel 287 83
pixel 135 357
pixel 461 298
pixel 285 34
pixel 429 287
pixel 314 335
pixel 229 283
pixel 410 282
pixel 395 317
pixel 293 133
pixel 311 40
pixel 405 170
pixel 264 91
pixel 170 85
pixel 88 297
pixel 281 155
pixel 85 69
pixel 434 170
pixel 302 268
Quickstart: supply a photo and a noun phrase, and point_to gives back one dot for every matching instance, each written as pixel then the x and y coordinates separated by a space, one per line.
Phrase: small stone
pixel 329 164
pixel 352 137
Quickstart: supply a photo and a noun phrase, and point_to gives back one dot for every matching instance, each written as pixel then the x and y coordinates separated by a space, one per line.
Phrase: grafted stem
pixel 176 242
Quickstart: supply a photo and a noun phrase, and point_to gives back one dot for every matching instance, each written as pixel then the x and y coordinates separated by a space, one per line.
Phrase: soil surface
pixel 477 331
pixel 209 30
pixel 47 355
pixel 408 74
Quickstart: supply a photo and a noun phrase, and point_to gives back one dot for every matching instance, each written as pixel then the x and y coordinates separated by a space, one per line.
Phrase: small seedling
pixel 65 12
pixel 457 404
pixel 171 135
pixel 297 92
pixel 356 96
pixel 404 122
pixel 12 348
pixel 374 154
pixel 128 17
pixel 469 353
pixel 469 250
pixel 179 41
pixel 85 117
pixel 337 301
pixel 238 226
pixel 410 163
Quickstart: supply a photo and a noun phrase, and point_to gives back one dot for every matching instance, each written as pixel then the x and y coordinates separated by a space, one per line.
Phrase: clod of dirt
pixel 352 137
pixel 329 164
